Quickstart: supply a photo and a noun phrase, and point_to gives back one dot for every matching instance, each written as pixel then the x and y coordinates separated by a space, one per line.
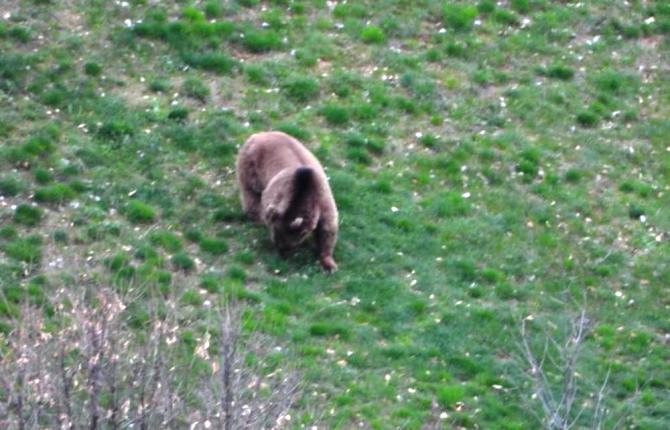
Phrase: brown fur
pixel 284 186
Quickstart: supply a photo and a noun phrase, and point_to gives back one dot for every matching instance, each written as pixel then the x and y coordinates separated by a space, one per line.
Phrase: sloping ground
pixel 494 164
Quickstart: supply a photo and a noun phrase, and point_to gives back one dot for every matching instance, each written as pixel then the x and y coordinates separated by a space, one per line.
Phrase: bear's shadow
pixel 302 260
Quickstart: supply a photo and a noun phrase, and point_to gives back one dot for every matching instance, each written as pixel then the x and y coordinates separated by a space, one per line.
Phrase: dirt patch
pixel 69 20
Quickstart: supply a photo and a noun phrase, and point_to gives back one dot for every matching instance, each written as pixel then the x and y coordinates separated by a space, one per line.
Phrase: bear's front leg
pixel 326 236
pixel 251 204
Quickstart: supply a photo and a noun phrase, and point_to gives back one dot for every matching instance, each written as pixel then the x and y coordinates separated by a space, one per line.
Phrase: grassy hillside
pixel 493 163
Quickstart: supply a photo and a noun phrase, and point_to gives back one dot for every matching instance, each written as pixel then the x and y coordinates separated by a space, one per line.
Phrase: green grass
pixel 335 115
pixel 587 118
pixel 559 71
pixel 56 194
pixel 24 250
pixel 140 213
pixel 260 41
pixel 170 242
pixel 450 395
pixel 300 89
pixel 183 262
pixel 43 176
pixel 93 69
pixel 490 161
pixel 372 34
pixel 214 246
pixel 28 215
pixel 459 17
pixel 10 186
pixel 196 89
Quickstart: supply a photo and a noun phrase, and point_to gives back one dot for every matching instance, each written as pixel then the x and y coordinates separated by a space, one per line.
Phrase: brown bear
pixel 283 185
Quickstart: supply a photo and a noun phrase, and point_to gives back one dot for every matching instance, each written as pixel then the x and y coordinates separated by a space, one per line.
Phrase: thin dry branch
pixel 561 359
pixel 145 374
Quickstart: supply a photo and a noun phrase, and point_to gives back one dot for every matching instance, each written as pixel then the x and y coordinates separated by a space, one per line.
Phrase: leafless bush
pixel 568 398
pixel 88 363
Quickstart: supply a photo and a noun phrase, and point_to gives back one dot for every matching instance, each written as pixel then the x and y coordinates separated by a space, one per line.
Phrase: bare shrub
pixel 93 359
pixel 566 393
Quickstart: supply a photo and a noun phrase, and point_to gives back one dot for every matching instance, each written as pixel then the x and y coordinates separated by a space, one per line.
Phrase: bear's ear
pixel 297 223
